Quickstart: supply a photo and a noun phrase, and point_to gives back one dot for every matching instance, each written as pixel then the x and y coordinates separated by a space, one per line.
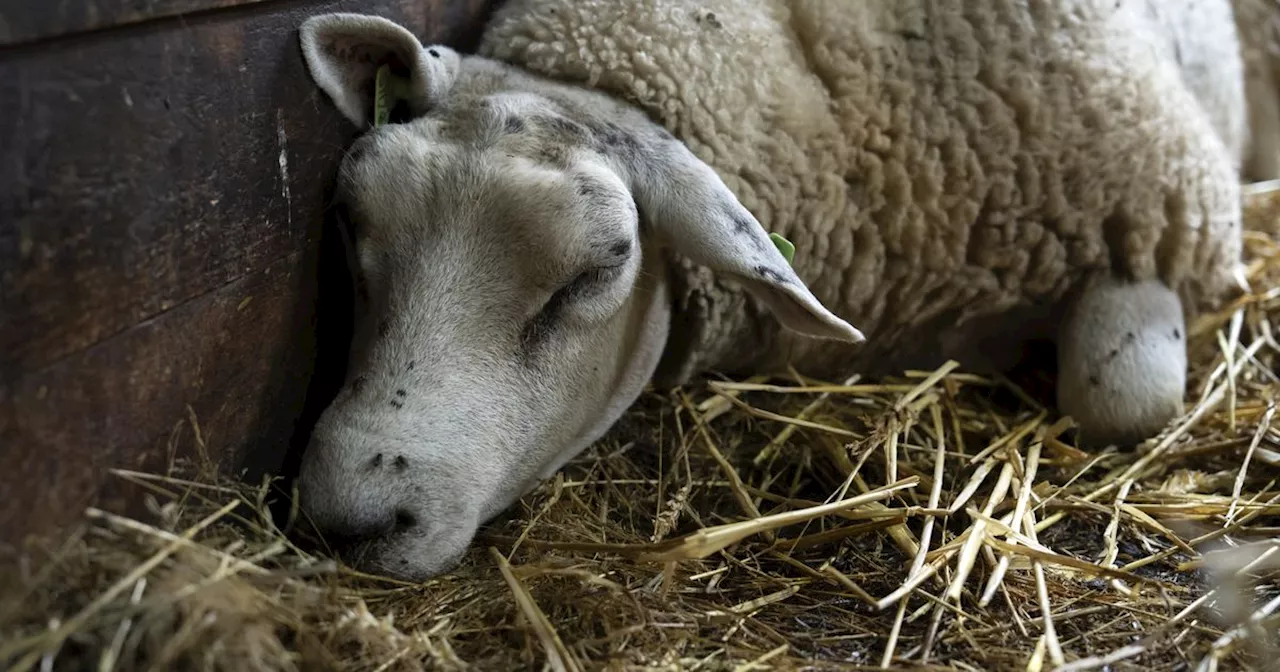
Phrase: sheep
pixel 585 206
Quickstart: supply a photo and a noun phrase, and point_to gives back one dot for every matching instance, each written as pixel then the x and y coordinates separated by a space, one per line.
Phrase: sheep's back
pixel 933 162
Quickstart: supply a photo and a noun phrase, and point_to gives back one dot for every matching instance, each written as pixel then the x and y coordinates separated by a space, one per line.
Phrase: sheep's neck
pixel 715 326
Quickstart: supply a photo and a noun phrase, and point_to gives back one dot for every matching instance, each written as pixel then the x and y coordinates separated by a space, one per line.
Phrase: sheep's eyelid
pixel 543 322
pixel 586 278
pixel 574 287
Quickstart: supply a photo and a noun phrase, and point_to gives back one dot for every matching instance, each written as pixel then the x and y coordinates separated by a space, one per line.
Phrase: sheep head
pixel 513 301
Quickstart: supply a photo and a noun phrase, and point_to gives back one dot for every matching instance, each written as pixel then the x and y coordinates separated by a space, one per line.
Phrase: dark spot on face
pixel 553 154
pixel 770 275
pixel 397 404
pixel 376 461
pixel 1095 381
pixel 611 138
pixel 411 365
pixel 744 227
pixel 711 20
pixel 400 393
pixel 565 128
pixel 434 53
pixel 1129 337
pixel 514 125
pixel 357 384
pixel 384 327
pixel 614 138
pixel 405 520
pixel 621 248
pixel 1177 334
pixel 400 463
pixel 589 188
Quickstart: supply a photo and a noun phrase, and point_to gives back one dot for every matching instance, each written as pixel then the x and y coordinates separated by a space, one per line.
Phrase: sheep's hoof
pixel 1122 361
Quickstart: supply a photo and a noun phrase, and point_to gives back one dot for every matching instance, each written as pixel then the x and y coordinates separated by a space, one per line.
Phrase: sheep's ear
pixel 692 211
pixel 343 52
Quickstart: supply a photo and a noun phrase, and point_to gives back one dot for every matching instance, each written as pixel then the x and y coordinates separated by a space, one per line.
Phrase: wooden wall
pixel 164 167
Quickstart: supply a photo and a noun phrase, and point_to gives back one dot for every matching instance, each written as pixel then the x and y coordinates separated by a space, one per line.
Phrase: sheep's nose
pixel 351 501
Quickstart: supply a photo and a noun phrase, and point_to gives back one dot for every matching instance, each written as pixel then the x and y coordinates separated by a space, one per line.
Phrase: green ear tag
pixel 382 96
pixel 387 89
pixel 784 246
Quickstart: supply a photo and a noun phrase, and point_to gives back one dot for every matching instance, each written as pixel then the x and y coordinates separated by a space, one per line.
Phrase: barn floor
pixel 696 538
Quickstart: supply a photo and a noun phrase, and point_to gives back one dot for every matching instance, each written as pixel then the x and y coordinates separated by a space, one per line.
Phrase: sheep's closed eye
pixel 582 285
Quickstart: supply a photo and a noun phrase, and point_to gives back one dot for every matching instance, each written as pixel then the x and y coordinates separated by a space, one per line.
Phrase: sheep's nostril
pixel 405 520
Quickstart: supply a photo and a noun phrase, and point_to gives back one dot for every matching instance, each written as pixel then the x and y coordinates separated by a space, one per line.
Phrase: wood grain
pixel 22 22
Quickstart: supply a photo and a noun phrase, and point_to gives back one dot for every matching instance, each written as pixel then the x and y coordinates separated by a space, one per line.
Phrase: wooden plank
pixel 239 358
pixel 153 178
pixel 22 22
pixel 144 167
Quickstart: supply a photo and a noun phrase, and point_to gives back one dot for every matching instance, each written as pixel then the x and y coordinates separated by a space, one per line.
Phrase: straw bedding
pixel 937 520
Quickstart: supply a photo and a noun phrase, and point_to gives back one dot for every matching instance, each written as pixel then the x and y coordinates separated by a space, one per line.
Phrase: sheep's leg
pixel 1122 361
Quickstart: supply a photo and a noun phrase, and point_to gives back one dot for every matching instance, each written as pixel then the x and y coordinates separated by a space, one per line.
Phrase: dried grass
pixel 939 520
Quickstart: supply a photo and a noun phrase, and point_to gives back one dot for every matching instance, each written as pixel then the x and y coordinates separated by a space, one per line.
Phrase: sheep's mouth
pixel 363 550
pixel 387 557
pixel 370 554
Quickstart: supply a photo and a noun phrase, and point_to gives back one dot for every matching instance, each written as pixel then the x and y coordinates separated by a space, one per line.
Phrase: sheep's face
pixel 505 320
pixel 512 300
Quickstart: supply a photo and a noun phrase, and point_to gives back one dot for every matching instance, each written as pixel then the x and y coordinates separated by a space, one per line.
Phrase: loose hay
pixel 939 520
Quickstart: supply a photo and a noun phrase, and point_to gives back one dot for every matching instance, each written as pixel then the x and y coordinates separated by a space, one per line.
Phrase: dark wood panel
pixel 143 198
pixel 145 167
pixel 239 358
pixel 30 20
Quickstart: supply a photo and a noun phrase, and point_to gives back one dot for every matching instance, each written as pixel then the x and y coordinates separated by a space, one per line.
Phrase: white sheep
pixel 958 178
